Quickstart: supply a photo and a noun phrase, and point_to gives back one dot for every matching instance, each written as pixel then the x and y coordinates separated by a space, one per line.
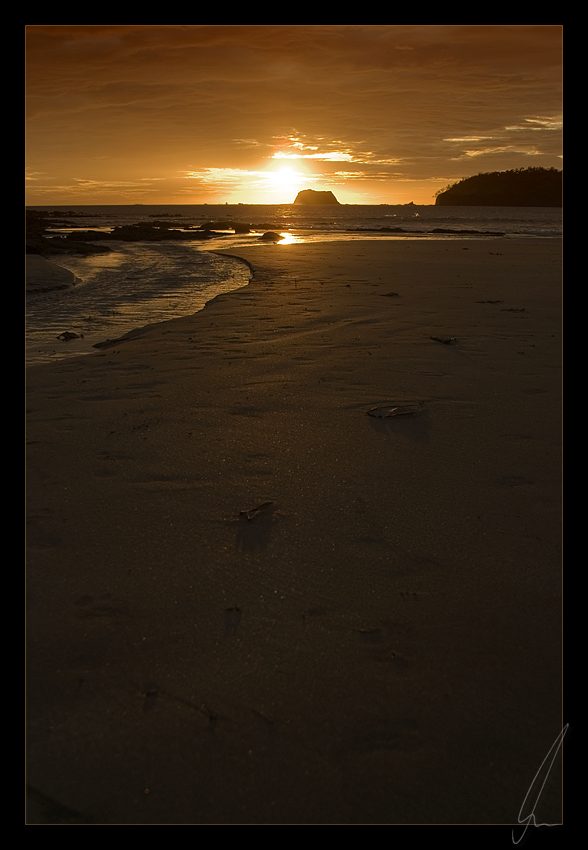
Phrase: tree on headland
pixel 520 187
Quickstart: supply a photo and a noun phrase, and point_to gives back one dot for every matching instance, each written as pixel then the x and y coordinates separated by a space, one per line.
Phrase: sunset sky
pixel 252 114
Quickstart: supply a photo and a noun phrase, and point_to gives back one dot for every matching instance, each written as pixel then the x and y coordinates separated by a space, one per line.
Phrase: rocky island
pixel 520 187
pixel 310 197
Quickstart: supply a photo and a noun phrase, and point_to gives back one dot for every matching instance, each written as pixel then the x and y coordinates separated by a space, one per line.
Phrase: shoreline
pixel 45 274
pixel 251 602
pixel 51 335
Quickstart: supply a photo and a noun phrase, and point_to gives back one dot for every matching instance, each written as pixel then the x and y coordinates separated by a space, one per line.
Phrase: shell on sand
pixel 389 410
pixel 446 340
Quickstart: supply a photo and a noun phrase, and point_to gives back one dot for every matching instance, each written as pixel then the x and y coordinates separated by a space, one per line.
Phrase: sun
pixel 285 178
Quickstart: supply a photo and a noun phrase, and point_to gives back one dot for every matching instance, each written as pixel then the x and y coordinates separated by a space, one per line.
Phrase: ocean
pixel 141 283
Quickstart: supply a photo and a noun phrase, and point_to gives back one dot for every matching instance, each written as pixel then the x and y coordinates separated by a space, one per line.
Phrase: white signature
pixel 530 819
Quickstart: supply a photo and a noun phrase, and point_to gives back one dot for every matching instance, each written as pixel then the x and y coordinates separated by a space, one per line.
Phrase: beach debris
pixel 490 301
pixel 70 335
pixel 390 295
pixel 446 340
pixel 389 410
pixel 253 512
pixel 512 309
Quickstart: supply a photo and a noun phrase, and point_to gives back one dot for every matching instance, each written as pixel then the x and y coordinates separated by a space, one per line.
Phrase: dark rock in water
pixel 79 249
pixel 165 224
pixel 265 225
pixel 70 335
pixel 59 245
pixel 148 233
pixel 87 235
pixel 215 225
pixel 313 198
pixel 270 236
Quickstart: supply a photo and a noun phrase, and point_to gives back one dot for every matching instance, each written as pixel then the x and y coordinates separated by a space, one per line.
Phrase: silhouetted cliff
pixel 311 197
pixel 521 187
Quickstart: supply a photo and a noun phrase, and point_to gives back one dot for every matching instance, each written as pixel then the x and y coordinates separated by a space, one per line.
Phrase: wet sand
pixel 381 641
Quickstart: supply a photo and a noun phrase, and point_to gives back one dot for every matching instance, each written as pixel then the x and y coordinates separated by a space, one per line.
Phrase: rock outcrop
pixel 310 197
pixel 44 242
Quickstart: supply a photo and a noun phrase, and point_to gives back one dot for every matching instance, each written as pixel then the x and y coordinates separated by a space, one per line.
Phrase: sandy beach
pixel 250 602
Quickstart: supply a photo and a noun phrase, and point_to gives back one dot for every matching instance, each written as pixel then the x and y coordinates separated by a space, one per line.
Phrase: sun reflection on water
pixel 290 239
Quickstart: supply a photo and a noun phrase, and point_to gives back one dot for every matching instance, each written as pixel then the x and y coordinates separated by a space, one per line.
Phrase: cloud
pixel 504 149
pixel 553 124
pixel 177 99
pixel 232 178
pixel 329 156
pixel 469 139
pixel 352 151
pixel 81 187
